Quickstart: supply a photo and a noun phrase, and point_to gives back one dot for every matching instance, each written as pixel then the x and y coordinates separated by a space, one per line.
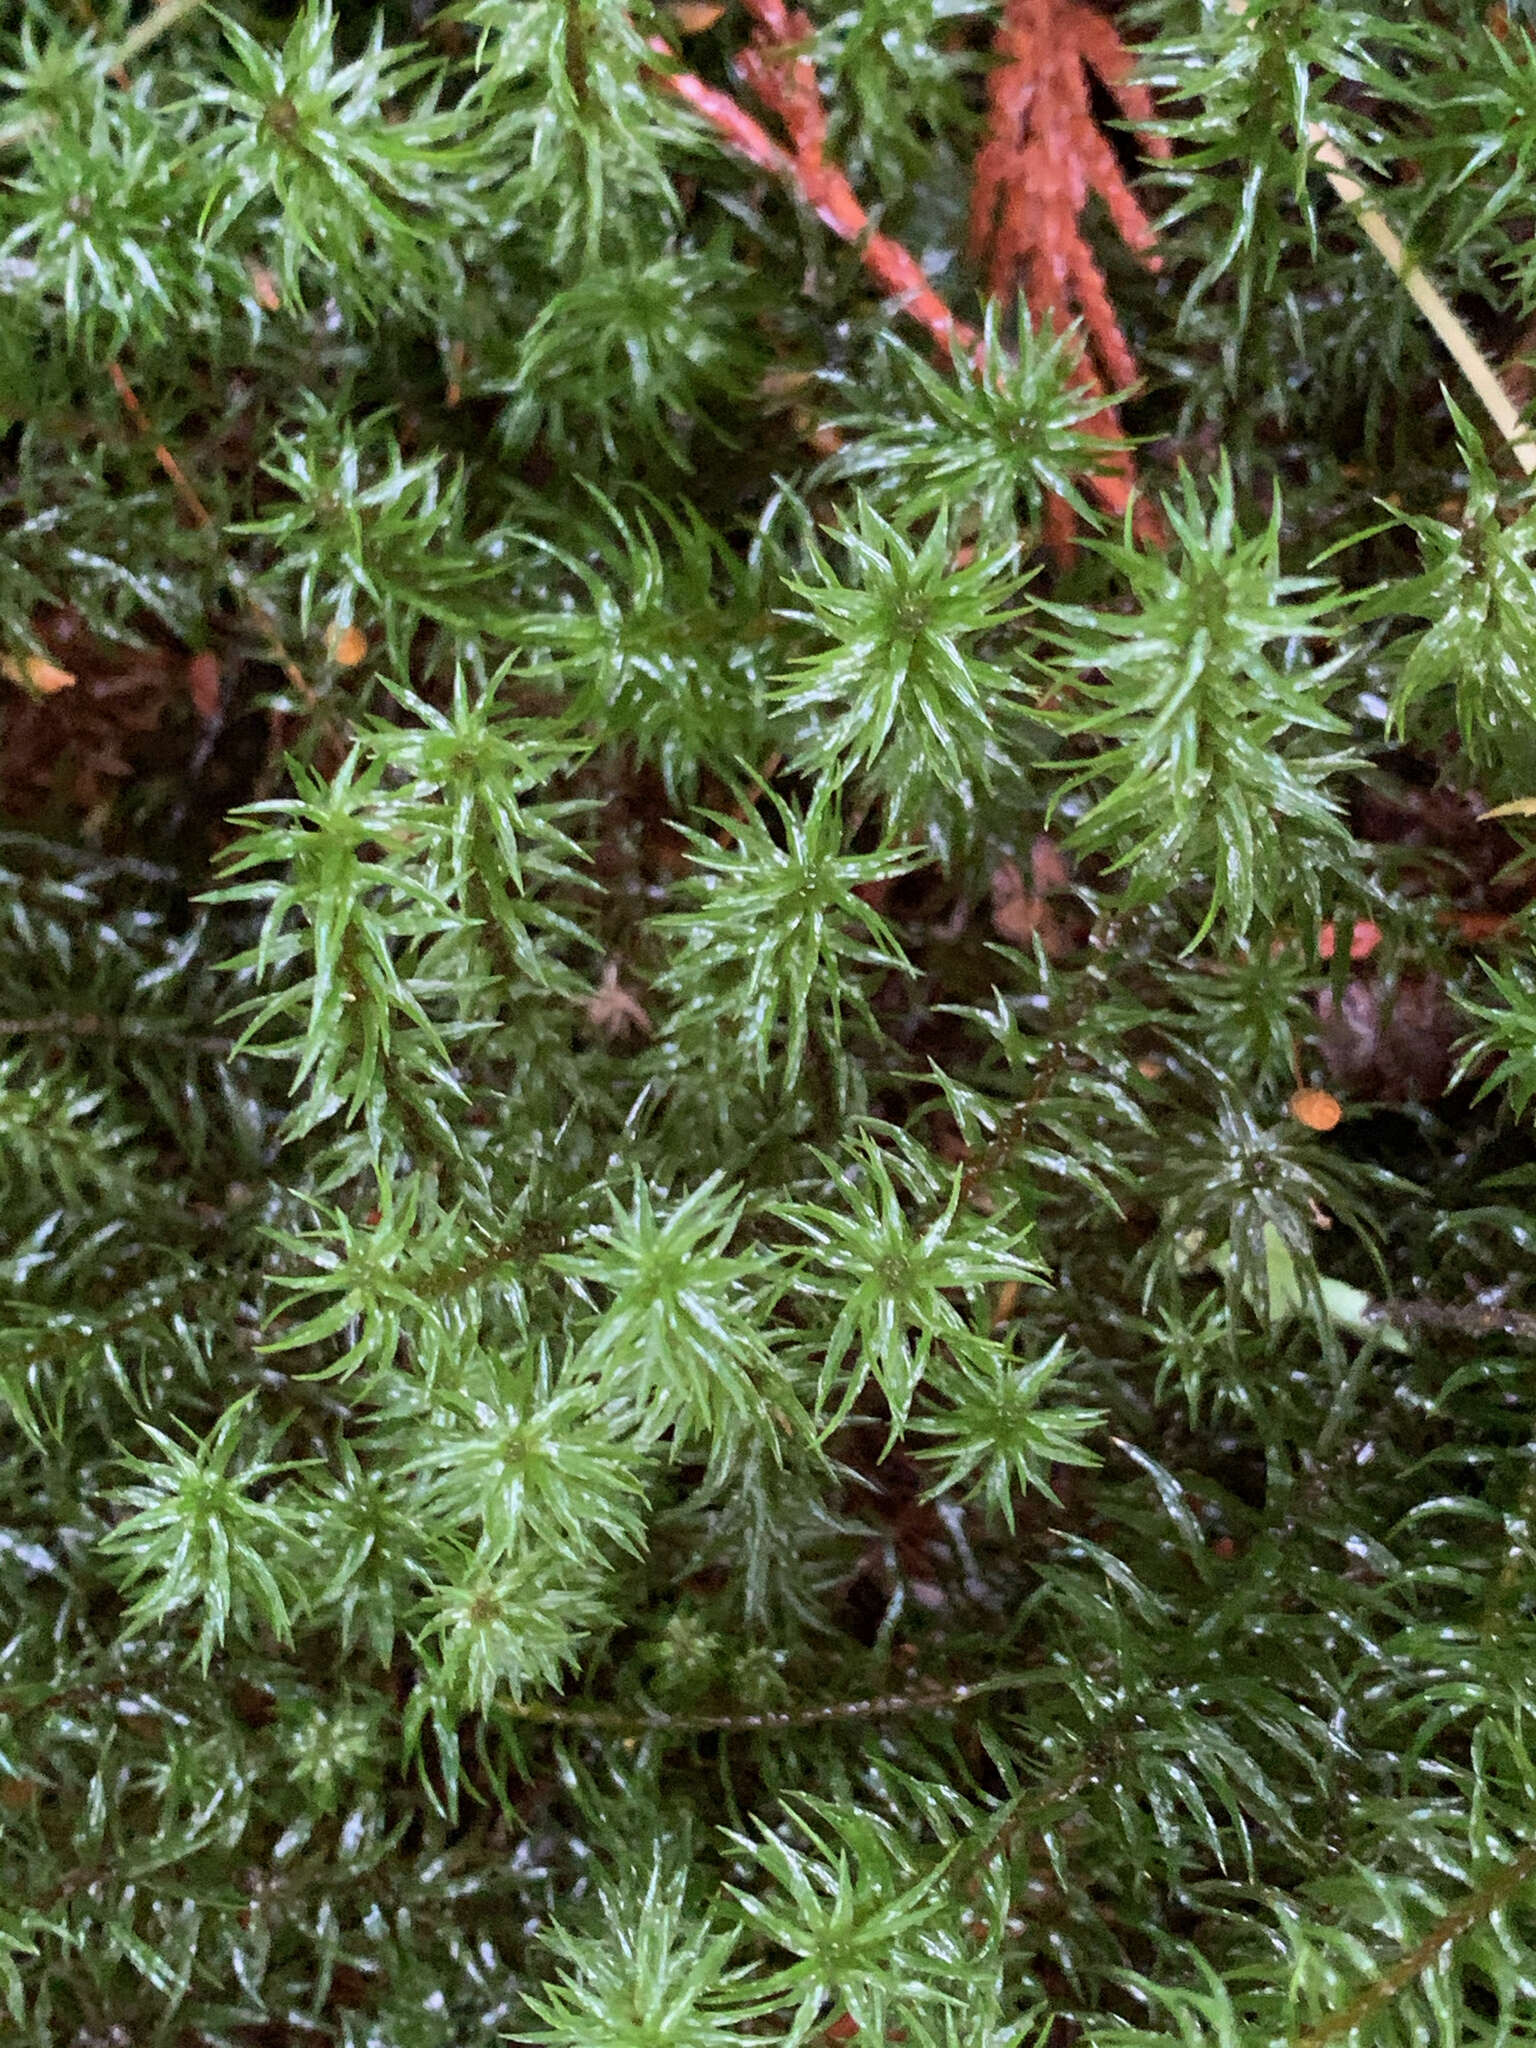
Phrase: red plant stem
pixel 828 192
pixel 787 83
pixel 747 137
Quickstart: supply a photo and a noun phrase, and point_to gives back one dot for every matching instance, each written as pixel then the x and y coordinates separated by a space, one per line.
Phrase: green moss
pixel 672 1369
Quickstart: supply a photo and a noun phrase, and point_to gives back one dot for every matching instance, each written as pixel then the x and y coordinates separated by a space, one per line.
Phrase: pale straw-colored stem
pixel 165 16
pixel 1469 358
pixel 137 40
pixel 1451 329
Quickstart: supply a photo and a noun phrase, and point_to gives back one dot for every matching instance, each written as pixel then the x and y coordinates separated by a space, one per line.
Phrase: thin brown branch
pixel 1465 1319
pixel 87 1024
pixel 1013 1125
pixel 260 614
pixel 1476 1908
pixel 1431 302
pixel 615 1721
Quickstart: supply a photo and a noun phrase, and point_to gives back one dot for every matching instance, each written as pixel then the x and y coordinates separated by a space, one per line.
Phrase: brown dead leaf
pixel 613 1010
pixel 34 673
pixel 264 285
pixel 1015 911
pixel 203 683
pixel 1021 913
pixel 1474 927
pixel 1048 865
pixel 1389 1040
pixel 83 719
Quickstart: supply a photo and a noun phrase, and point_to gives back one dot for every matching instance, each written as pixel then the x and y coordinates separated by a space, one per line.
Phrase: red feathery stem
pixel 1043 156
pixel 781 74
pixel 785 80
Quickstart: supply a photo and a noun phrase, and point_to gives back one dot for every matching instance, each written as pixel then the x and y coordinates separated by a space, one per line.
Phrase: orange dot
pixel 347 645
pixel 1316 1108
pixel 1364 938
pixel 264 285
